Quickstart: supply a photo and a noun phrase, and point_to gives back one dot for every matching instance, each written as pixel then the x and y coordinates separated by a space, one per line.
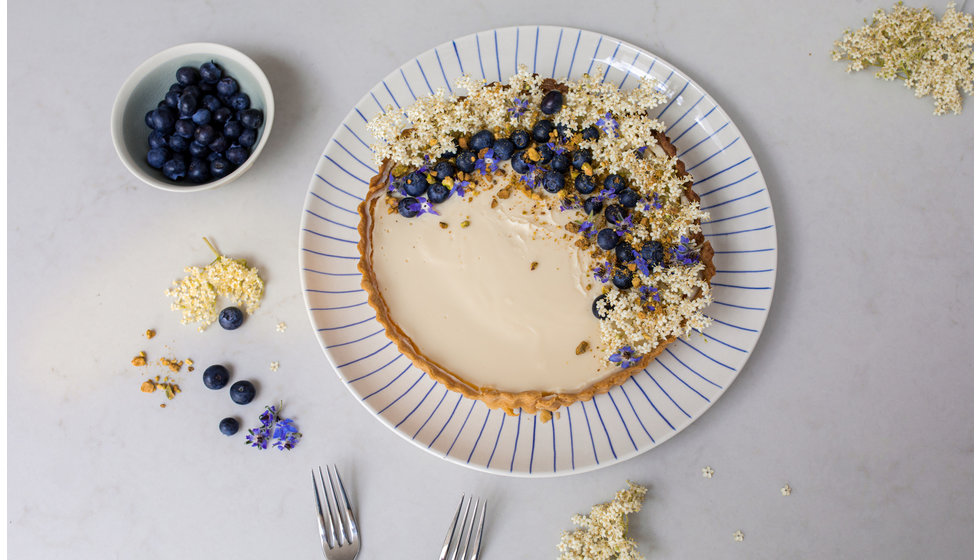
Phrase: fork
pixel 338 536
pixel 470 533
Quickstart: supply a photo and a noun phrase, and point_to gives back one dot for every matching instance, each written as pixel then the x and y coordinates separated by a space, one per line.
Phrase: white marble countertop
pixel 859 393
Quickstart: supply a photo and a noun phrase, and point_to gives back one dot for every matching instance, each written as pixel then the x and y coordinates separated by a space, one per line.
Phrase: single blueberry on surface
pixel 590 133
pixel 201 116
pixel 521 139
pixel 156 157
pixel 607 239
pixel 187 75
pixel 174 169
pixel 163 119
pixel 228 426
pixel 210 72
pixel 252 118
pixel 156 139
pixel 615 182
pixel 629 198
pixel 242 392
pixel 599 306
pixel 438 193
pixel 503 148
pixel 210 102
pixel 480 140
pixel 551 103
pixel 624 252
pixel 542 130
pixel 240 101
pixel 553 181
pixel 205 134
pixel 216 377
pixel 409 207
pixel 237 154
pixel 622 278
pixel 519 164
pixel 560 163
pixel 185 127
pixel 248 137
pixel 233 129
pixel 199 171
pixel 415 184
pixel 227 86
pixel 584 184
pixel 580 157
pixel 592 205
pixel 445 169
pixel 466 161
pixel 230 318
pixel 221 167
pixel 615 213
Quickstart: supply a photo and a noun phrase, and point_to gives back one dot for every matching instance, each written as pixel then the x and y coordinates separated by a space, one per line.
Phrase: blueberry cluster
pixel 204 128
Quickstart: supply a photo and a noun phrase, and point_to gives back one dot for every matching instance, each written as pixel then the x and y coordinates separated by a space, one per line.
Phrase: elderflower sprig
pixel 603 533
pixel 932 57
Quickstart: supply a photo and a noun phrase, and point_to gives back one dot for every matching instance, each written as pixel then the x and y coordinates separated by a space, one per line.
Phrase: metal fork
pixel 470 533
pixel 338 535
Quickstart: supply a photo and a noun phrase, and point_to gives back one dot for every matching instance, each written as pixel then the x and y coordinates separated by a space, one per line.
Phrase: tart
pixel 532 243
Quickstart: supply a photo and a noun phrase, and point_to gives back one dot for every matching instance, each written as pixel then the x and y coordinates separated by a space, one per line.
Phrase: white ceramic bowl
pixel 148 84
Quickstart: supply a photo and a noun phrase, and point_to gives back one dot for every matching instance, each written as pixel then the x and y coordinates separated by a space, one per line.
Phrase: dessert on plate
pixel 532 243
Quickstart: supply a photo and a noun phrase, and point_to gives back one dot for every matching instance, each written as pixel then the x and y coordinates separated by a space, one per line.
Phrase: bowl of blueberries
pixel 193 117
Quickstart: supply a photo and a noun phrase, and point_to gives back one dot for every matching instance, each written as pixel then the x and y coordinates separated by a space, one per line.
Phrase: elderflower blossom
pixel 932 57
pixel 603 533
pixel 196 295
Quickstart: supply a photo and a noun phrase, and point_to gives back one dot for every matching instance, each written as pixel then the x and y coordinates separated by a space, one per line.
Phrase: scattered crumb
pixel 274 366
pixel 786 490
pixel 173 365
pixel 139 360
pixel 739 536
pixel 281 327
pixel 443 225
pixel 148 386
pixel 465 223
pixel 582 348
pixel 150 333
pixel 707 472
pixel 534 265
pixel 190 368
pixel 189 361
pixel 163 405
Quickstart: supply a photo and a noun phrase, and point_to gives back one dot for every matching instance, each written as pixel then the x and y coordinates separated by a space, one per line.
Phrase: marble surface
pixel 859 393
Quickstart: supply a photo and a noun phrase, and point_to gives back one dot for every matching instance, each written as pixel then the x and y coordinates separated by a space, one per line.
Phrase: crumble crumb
pixel 139 360
pixel 150 333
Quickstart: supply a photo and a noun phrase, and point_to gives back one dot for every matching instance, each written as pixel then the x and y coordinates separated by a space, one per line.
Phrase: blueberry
pixel 216 377
pixel 237 154
pixel 172 98
pixel 240 101
pixel 445 169
pixel 519 164
pixel 205 134
pixel 198 150
pixel 187 75
pixel 156 157
pixel 163 119
pixel 242 392
pixel 219 143
pixel 628 198
pixel 193 91
pixel 210 72
pixel 622 278
pixel 228 426
pixel 503 148
pixel 521 139
pixel 624 252
pixel 466 161
pixel 615 213
pixel 221 167
pixel 148 119
pixel 546 154
pixel 409 207
pixel 201 116
pixel 480 140
pixel 227 86
pixel 607 239
pixel 213 156
pixel 415 184
pixel 615 182
pixel 248 137
pixel 581 157
pixel 175 87
pixel 205 87
pixel 252 118
pixel 211 103
pixel 156 139
pixel 542 130
pixel 584 184
pixel 553 181
pixel 174 169
pixel 599 306
pixel 199 171
pixel 653 252
pixel 560 163
pixel 590 133
pixel 233 129
pixel 221 115
pixel 230 318
pixel 187 104
pixel 438 193
pixel 592 205
pixel 552 102
pixel 178 143
pixel 185 128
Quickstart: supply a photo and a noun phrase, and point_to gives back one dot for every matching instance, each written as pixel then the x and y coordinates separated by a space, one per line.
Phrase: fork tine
pixel 319 508
pixel 443 555
pixel 351 524
pixel 334 506
pixel 328 514
pixel 466 530
pixel 479 531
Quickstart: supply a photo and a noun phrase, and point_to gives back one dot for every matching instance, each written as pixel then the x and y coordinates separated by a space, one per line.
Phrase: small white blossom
pixel 786 490
pixel 281 327
pixel 739 536
pixel 707 472
pixel 274 366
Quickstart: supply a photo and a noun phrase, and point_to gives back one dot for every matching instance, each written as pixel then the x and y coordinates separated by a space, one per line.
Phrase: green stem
pixel 217 255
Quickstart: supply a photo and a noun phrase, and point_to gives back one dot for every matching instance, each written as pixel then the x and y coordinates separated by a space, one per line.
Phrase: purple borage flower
pixel 556 148
pixel 281 432
pixel 488 163
pixel 603 272
pixel 608 125
pixel 649 294
pixel 458 188
pixel 625 226
pixel 518 108
pixel 685 253
pixel 586 228
pixel 421 205
pixel 624 357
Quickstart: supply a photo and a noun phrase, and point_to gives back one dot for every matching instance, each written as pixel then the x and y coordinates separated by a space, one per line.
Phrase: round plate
pixel 633 418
